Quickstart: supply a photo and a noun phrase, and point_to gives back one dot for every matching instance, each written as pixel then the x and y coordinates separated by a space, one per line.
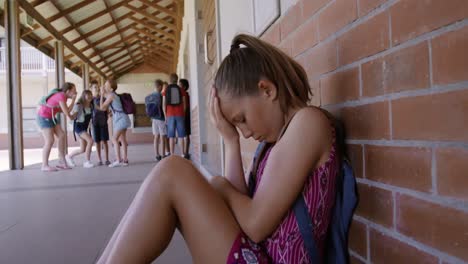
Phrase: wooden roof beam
pixel 160 8
pixel 69 10
pixel 153 28
pixel 153 46
pixel 151 17
pixel 43 22
pixel 119 30
pixel 148 34
pixel 38 2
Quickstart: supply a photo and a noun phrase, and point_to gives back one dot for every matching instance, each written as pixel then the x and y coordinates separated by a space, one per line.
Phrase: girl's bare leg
pixel 106 149
pixel 174 194
pixel 80 150
pixel 48 134
pixel 123 139
pixel 98 150
pixel 89 144
pixel 62 138
pixel 115 140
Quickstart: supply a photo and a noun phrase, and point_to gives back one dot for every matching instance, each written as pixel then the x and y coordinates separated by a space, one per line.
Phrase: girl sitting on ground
pixel 263 93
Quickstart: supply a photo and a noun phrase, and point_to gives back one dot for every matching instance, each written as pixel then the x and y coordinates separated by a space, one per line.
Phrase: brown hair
pixel 239 73
pixel 83 94
pixel 113 84
pixel 67 86
pixel 158 83
pixel 173 78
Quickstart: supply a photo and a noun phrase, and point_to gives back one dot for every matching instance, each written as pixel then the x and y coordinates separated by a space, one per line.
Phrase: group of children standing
pixel 169 108
pixel 88 111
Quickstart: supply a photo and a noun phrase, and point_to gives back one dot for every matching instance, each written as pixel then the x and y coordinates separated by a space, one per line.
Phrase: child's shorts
pixel 245 251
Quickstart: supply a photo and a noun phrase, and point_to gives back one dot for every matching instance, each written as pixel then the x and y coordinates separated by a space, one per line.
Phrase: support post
pixel 15 118
pixel 59 81
pixel 85 76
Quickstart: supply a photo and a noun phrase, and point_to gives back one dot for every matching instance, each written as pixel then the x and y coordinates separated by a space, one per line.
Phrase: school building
pixel 395 72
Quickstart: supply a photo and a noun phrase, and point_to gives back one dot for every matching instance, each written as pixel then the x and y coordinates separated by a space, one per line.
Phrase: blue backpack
pixel 153 104
pixel 336 247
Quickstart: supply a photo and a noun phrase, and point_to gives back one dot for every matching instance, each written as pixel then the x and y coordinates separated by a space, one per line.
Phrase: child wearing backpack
pixel 263 93
pixel 120 121
pixel 184 84
pixel 48 120
pixel 175 106
pixel 100 128
pixel 154 110
pixel 84 113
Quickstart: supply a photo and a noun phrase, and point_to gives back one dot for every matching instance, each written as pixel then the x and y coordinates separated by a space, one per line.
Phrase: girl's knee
pixel 172 168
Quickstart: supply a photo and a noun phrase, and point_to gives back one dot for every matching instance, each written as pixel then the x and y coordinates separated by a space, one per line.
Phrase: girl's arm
pixel 67 109
pixel 234 168
pixel 287 169
pixel 104 106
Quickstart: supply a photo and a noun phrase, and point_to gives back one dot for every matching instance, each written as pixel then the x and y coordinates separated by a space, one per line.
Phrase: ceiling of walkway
pixel 112 36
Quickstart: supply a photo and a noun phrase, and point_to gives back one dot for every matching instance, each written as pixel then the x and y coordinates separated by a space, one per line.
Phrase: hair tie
pixel 234 47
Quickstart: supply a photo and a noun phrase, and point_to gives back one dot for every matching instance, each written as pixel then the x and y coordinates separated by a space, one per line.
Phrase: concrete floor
pixel 68 216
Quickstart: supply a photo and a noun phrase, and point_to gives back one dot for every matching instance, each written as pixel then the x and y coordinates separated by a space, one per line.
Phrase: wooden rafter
pixel 119 30
pixel 159 8
pixel 69 10
pixel 38 2
pixel 99 29
pixel 151 52
pixel 43 22
pixel 151 17
pixel 153 28
pixel 114 45
pixel 163 42
pixel 132 44
pixel 30 30
pixel 157 47
pixel 86 20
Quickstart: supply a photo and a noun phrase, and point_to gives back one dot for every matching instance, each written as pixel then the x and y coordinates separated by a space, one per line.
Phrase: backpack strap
pixel 306 228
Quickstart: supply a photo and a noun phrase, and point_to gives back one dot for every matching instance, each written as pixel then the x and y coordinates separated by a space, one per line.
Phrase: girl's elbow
pixel 256 232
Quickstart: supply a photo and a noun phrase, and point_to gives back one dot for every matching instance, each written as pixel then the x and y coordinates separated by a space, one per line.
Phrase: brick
pixel 385 249
pixel 355 156
pixel 340 87
pixel 369 121
pixel 406 69
pixel 273 35
pixel 452 172
pixel 435 225
pixel 365 6
pixel 309 8
pixel 290 21
pixel 321 59
pixel 411 18
pixel 432 117
pixel 407 167
pixel 336 16
pixel 449 53
pixel 358 238
pixel 364 40
pixel 286 46
pixel 375 204
pixel 305 37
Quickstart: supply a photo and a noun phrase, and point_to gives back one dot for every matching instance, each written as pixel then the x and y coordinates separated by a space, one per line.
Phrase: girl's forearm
pixel 234 168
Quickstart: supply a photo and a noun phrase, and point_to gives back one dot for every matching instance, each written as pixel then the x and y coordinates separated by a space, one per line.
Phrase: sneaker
pixel 115 164
pixel 100 163
pixel 158 158
pixel 70 161
pixel 124 163
pixel 88 164
pixel 186 156
pixel 107 163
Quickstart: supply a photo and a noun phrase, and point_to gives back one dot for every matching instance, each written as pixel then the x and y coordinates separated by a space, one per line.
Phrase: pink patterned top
pixel 286 245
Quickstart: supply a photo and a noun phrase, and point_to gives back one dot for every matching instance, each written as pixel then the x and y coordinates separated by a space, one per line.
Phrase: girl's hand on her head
pixel 226 129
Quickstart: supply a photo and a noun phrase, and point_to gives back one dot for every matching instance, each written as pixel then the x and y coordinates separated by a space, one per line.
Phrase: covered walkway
pixel 68 217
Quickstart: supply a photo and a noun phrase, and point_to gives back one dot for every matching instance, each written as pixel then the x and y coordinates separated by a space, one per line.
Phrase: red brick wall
pixel 396 73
